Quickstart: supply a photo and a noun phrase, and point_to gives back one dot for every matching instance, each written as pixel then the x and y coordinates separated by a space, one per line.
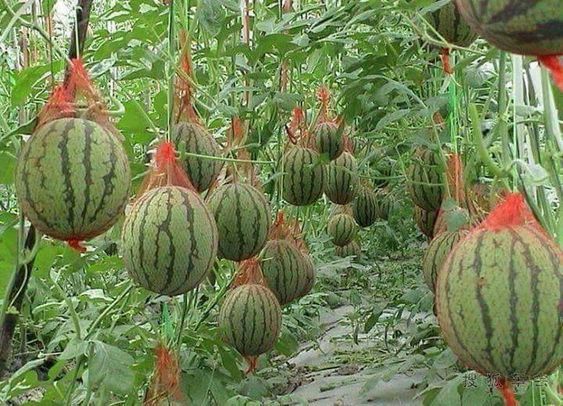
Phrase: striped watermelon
pixel 424 180
pixel 436 255
pixel 283 267
pixel 304 179
pixel 342 228
pixel 169 240
pixel 518 26
pixel 72 179
pixel 194 138
pixel 352 249
pixel 250 319
pixel 329 139
pixel 342 179
pixel 243 219
pixel 308 281
pixel 364 207
pixel 448 23
pixel 384 204
pixel 499 296
pixel 425 220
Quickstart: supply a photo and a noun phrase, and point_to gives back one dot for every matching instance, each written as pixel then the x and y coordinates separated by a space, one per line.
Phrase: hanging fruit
pixel 72 176
pixel 169 238
pixel 342 228
pixel 424 180
pixel 448 23
pixel 499 296
pixel 284 266
pixel 250 317
pixel 304 175
pixel 242 214
pixel 522 27
pixel 364 207
pixel 190 135
pixel 342 182
pixel 328 131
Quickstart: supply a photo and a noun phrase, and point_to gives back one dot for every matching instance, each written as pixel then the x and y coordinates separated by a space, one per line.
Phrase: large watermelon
pixel 329 139
pixel 304 179
pixel 169 240
pixel 519 26
pixel 72 179
pixel 436 254
pixel 424 180
pixel 284 269
pixel 250 319
pixel 342 179
pixel 194 138
pixel 308 281
pixel 449 24
pixel 499 296
pixel 425 220
pixel 364 207
pixel 342 228
pixel 243 219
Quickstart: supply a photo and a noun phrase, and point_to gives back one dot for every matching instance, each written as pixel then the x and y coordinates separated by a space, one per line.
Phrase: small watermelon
pixel 72 179
pixel 329 139
pixel 364 207
pixel 449 24
pixel 250 319
pixel 342 228
pixel 243 219
pixel 342 179
pixel 352 249
pixel 169 240
pixel 193 138
pixel 304 178
pixel 283 267
pixel 424 180
pixel 425 220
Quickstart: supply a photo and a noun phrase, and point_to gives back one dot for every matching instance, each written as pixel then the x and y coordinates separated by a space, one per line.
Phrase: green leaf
pixel 449 395
pixel 110 367
pixel 74 349
pixel 7 168
pixel 27 78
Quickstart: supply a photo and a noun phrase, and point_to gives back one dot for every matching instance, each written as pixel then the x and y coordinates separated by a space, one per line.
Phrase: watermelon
pixel 449 24
pixel 352 249
pixel 194 138
pixel 169 240
pixel 283 267
pixel 425 220
pixel 518 26
pixel 250 319
pixel 436 255
pixel 364 207
pixel 304 179
pixel 342 179
pixel 329 139
pixel 384 204
pixel 243 219
pixel 342 228
pixel 424 180
pixel 308 281
pixel 72 179
pixel 499 296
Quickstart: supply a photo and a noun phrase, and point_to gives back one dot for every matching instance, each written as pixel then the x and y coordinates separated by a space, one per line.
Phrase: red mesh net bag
pixel 166 379
pixel 184 94
pixel 297 131
pixel 165 170
pixel 554 64
pixel 76 97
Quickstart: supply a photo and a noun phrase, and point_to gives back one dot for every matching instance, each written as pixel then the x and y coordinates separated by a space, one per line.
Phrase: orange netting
pixel 184 110
pixel 323 95
pixel 249 272
pixel 76 97
pixel 555 66
pixel 454 174
pixel 446 64
pixel 512 211
pixel 165 383
pixel 506 391
pixel 166 170
pixel 297 128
